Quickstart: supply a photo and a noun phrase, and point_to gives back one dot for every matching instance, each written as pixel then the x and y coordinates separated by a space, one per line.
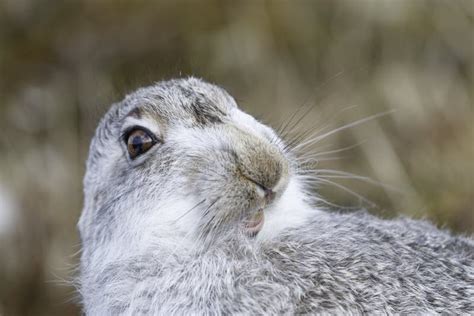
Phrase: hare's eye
pixel 139 141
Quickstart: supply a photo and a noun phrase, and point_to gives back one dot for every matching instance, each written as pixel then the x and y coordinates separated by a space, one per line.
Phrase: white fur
pixel 291 211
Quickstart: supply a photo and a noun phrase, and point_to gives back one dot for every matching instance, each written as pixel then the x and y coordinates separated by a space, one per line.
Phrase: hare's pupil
pixel 137 143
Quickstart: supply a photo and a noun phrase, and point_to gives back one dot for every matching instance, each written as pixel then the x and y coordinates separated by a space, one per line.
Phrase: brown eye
pixel 139 141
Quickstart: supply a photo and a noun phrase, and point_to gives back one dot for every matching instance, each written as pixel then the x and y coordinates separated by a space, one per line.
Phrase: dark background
pixel 63 62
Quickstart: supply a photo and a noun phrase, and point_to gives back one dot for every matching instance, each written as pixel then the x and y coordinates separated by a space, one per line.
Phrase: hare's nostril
pixel 265 192
pixel 269 195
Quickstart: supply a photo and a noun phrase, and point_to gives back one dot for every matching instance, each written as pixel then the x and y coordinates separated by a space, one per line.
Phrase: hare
pixel 194 207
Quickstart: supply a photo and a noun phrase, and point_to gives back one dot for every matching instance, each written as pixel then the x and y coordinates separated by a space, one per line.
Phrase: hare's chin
pixel 255 223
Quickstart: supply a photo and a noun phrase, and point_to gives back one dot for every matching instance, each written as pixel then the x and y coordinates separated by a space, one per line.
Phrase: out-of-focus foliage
pixel 63 62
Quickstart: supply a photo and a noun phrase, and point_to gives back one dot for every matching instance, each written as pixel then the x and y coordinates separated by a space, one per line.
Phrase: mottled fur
pixel 163 233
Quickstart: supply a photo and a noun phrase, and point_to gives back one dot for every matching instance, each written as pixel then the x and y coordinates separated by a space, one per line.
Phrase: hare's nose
pixel 260 162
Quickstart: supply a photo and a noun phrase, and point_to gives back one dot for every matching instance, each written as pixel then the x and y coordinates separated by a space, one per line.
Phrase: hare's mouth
pixel 254 224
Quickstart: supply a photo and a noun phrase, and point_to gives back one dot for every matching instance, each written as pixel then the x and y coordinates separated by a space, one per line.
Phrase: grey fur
pixel 136 262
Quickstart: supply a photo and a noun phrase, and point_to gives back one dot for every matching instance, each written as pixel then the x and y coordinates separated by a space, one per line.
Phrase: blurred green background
pixel 62 63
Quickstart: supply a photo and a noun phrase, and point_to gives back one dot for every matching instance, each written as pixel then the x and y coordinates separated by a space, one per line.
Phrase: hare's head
pixel 179 161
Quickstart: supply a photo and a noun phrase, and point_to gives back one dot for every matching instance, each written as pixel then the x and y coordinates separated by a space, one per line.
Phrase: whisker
pixel 342 187
pixel 114 200
pixel 310 163
pixel 282 129
pixel 318 154
pixel 341 128
pixel 188 211
pixel 331 173
pixel 334 174
pixel 337 206
pixel 314 103
pixel 314 130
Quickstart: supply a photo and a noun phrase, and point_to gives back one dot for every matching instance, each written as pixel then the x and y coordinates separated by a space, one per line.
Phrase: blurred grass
pixel 63 63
